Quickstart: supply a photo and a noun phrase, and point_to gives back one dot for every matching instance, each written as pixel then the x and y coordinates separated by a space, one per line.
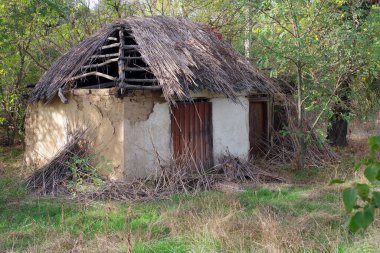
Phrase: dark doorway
pixel 258 127
pixel 192 131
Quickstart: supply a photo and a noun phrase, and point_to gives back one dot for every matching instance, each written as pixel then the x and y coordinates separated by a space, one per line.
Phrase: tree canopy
pixel 327 50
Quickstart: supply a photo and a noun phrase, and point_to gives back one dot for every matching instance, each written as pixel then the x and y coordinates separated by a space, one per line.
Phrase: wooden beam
pixel 131 47
pixel 132 51
pixel 137 69
pixel 121 63
pixel 99 86
pixel 104 56
pixel 100 64
pixel 94 73
pixel 128 86
pixel 61 96
pixel 110 46
pixel 133 58
pixel 141 80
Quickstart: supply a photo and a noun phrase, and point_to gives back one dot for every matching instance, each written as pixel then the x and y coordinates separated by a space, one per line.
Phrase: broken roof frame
pixel 180 56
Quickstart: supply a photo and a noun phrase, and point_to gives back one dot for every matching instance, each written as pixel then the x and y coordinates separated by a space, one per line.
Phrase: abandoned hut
pixel 149 87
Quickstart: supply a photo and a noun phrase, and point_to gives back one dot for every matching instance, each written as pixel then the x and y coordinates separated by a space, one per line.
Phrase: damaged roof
pixel 182 55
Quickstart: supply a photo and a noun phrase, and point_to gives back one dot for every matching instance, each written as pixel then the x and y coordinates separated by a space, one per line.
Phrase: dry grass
pixel 305 216
pixel 268 218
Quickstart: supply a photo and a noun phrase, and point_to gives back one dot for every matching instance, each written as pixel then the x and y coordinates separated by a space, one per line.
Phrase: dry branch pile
pixel 177 176
pixel 284 148
pixel 50 178
pixel 185 177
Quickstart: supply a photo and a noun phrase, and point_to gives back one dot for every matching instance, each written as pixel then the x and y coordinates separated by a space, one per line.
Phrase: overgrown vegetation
pixel 367 192
pixel 326 50
pixel 269 218
pixel 307 216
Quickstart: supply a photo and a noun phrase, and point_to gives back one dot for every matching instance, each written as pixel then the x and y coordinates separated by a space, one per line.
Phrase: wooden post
pixel 61 96
pixel 121 58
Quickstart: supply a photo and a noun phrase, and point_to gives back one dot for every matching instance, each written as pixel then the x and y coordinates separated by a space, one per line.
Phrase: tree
pixel 358 35
pixel 309 42
pixel 20 21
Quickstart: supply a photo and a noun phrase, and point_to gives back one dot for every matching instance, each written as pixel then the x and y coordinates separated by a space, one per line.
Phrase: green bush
pixel 84 175
pixel 361 199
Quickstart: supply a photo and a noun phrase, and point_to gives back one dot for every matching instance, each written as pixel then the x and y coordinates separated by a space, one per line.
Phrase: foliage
pixel 361 199
pixel 20 24
pixel 84 176
pixel 314 44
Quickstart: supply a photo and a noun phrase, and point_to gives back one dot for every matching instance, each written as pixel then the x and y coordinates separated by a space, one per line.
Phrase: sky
pixel 91 3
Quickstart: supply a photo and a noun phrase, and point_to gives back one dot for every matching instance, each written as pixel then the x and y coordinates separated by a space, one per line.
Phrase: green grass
pixel 10 155
pixel 166 245
pixel 207 222
pixel 263 218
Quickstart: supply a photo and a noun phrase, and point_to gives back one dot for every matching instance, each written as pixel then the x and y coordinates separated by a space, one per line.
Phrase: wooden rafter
pixel 141 80
pixel 111 46
pixel 128 86
pixel 130 47
pixel 105 56
pixel 94 73
pixel 100 64
pixel 133 58
pixel 99 86
pixel 141 69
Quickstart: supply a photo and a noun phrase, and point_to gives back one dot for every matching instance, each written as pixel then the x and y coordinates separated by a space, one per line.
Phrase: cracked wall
pixel 146 134
pixel 130 135
pixel 47 127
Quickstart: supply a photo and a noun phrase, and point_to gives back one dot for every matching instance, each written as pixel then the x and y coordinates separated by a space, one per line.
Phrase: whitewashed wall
pixel 144 137
pixel 230 127
pixel 147 131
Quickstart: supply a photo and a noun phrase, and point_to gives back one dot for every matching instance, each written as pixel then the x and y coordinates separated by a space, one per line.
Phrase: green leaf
pixel 363 191
pixel 374 143
pixel 349 198
pixel 336 181
pixel 371 172
pixel 368 216
pixel 355 221
pixel 376 199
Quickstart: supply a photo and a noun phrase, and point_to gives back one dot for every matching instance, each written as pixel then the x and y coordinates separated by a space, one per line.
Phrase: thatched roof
pixel 183 56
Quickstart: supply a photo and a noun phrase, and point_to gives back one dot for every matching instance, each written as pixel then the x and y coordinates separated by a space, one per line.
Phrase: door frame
pixel 265 98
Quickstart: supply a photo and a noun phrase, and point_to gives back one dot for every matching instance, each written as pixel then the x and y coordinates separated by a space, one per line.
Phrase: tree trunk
pixel 337 131
pixel 248 32
pixel 301 119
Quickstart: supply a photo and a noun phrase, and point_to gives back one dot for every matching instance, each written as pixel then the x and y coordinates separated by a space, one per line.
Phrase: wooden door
pixel 258 127
pixel 192 131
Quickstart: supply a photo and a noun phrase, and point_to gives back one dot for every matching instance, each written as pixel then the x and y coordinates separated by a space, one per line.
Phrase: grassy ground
pixel 306 216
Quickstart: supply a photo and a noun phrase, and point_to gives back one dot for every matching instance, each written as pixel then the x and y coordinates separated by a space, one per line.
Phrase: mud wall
pixel 99 111
pixel 130 136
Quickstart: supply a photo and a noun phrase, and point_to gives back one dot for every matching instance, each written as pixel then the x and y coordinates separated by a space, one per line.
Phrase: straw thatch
pixel 183 56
